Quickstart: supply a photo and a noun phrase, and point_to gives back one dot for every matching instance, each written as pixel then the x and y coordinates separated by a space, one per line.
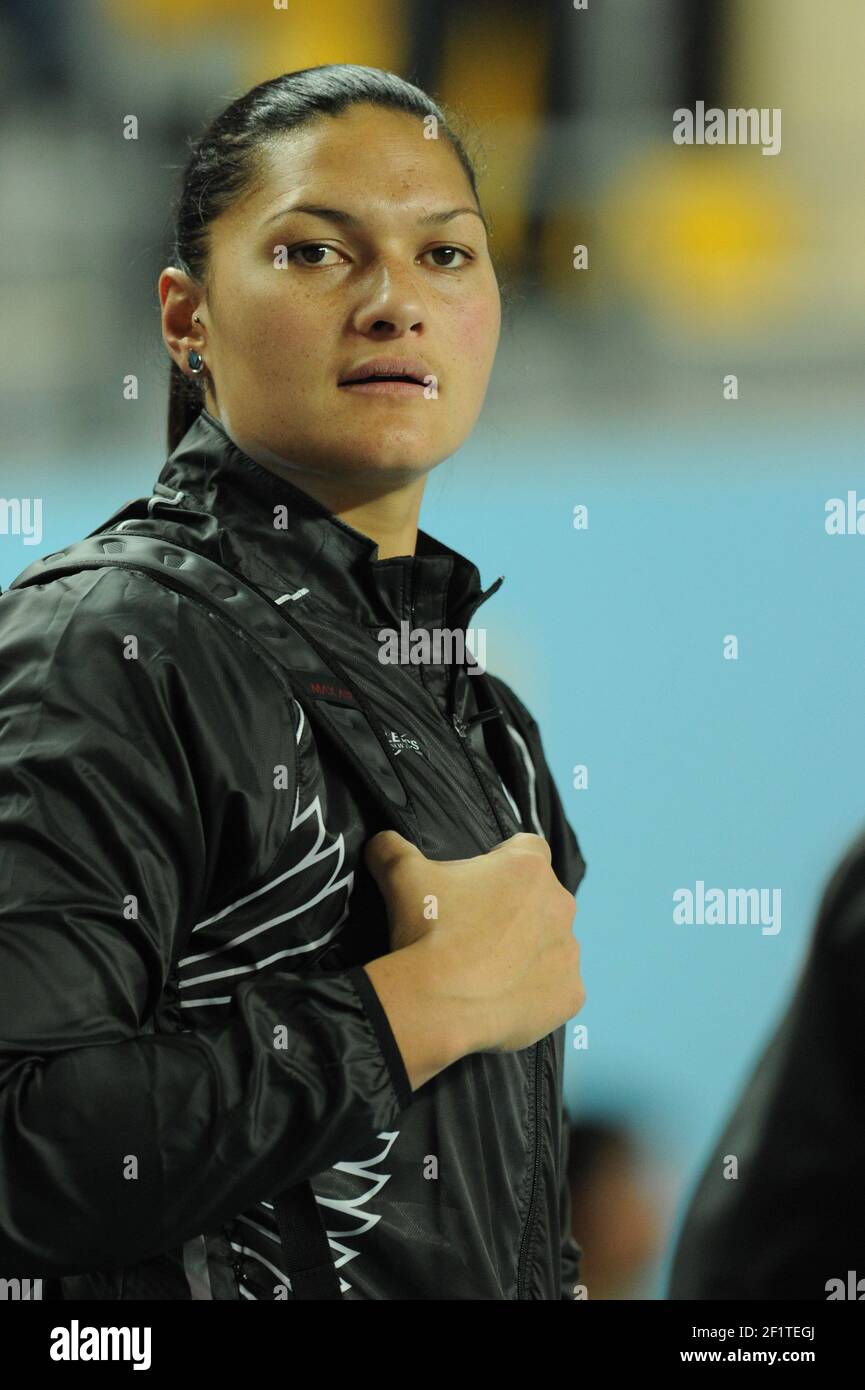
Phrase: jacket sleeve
pixel 567 857
pixel 117 1143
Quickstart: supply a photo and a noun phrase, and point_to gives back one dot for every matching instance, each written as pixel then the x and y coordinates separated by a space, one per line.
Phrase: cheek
pixel 283 330
pixel 476 334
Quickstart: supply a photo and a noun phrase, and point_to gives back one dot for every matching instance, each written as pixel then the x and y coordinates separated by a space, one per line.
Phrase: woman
pixel 225 986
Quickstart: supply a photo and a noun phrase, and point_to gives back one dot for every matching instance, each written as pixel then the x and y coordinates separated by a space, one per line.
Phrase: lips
pixel 409 370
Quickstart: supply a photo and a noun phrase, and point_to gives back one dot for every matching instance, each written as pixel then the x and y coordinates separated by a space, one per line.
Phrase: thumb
pixel 384 851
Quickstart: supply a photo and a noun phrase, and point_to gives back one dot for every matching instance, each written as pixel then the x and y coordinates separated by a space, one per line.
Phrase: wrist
pixel 432 1027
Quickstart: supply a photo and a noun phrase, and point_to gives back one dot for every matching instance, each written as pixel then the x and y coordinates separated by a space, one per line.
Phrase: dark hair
pixel 226 160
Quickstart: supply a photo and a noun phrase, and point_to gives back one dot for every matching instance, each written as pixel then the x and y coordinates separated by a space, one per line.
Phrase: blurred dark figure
pixel 614 1218
pixel 792 1223
pixel 36 42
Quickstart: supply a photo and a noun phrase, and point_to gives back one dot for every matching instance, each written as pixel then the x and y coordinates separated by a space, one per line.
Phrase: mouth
pixel 383 386
pixel 388 375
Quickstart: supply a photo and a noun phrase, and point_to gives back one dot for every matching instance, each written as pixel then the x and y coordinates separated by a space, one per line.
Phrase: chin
pixel 407 456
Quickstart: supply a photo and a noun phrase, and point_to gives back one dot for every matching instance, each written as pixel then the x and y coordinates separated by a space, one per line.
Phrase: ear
pixel 180 298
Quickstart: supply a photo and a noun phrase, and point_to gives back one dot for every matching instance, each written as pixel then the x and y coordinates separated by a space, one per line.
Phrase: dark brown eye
pixel 312 246
pixel 449 250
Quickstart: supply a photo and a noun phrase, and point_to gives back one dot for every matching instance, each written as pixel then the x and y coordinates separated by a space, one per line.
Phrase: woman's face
pixel 299 299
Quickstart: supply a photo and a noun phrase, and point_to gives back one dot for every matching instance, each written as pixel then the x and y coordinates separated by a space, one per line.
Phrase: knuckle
pixel 386 850
pixel 383 839
pixel 526 843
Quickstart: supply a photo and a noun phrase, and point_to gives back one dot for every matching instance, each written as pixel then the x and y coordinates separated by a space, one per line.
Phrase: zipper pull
pixel 459 725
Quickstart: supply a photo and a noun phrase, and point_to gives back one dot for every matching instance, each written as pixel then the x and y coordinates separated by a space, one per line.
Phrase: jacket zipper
pixel 462 732
pixel 461 729
pixel 540 1048
pixel 454 722
pixel 524 1243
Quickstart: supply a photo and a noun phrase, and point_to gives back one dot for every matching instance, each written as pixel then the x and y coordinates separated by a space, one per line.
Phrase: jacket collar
pixel 311 547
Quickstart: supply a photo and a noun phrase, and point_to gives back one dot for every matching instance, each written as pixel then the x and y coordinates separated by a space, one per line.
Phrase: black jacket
pixel 788 1220
pixel 186 1026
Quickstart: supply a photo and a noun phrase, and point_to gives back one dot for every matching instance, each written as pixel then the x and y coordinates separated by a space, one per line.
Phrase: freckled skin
pixel 275 341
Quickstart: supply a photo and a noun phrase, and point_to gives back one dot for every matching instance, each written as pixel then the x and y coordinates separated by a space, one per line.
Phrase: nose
pixel 390 303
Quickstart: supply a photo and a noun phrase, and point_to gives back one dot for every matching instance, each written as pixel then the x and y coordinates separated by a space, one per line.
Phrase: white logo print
pixel 307 872
pixel 400 742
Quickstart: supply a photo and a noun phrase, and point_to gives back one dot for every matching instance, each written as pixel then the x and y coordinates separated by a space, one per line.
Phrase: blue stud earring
pixel 196 361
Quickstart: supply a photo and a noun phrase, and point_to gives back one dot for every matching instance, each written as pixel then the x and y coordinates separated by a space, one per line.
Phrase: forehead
pixel 378 160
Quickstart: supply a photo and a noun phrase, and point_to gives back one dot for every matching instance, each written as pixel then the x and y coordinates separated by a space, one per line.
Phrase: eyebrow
pixel 347 219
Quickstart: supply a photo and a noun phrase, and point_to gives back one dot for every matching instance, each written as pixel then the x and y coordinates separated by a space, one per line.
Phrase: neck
pixel 390 519
pixel 385 509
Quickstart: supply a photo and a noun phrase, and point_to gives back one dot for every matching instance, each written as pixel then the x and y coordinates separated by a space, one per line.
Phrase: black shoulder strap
pixel 277 635
pixel 305 1246
pixel 311 675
